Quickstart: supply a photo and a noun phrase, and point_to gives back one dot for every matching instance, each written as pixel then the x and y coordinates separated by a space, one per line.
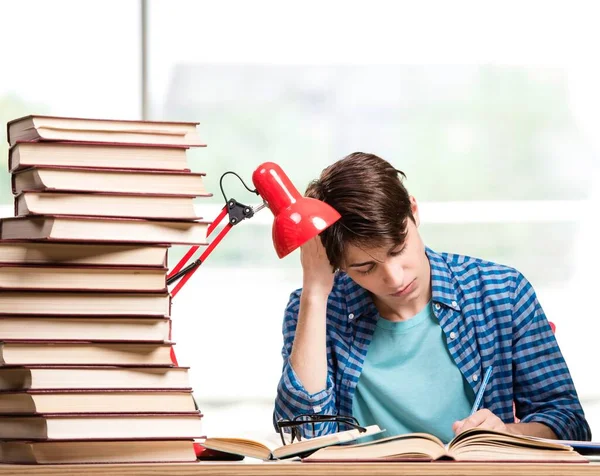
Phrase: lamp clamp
pixel 238 211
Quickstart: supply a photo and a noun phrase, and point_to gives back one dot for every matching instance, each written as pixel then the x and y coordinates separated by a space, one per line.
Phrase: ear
pixel 415 210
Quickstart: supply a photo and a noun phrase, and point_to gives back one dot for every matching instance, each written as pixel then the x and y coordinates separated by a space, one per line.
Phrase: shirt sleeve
pixel 543 387
pixel 292 398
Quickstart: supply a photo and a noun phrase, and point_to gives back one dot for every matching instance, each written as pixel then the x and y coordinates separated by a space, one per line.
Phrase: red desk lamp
pixel 297 218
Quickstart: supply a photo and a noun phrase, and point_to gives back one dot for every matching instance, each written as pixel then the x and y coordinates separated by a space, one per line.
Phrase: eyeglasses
pixel 312 418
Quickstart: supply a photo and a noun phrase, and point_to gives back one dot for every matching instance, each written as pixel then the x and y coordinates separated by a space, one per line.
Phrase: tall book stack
pixel 87 369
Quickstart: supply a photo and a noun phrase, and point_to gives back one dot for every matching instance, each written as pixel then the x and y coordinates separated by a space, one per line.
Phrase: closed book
pixel 83 278
pixel 117 426
pixel 90 451
pixel 74 154
pixel 105 205
pixel 24 352
pixel 82 304
pixel 95 401
pixel 78 329
pixel 78 129
pixel 95 229
pixel 92 377
pixel 90 179
pixel 109 254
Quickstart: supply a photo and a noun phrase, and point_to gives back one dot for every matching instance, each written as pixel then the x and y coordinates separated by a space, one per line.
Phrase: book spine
pixel 12 177
pixel 11 165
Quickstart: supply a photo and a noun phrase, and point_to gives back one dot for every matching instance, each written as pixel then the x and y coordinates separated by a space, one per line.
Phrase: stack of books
pixel 87 369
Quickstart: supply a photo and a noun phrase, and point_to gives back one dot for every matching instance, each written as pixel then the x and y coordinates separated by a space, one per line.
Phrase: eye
pixel 398 251
pixel 367 271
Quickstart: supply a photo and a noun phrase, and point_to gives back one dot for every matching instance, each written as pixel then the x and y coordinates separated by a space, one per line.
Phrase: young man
pixel 401 336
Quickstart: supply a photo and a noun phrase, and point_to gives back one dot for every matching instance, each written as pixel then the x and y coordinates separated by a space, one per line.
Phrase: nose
pixel 393 274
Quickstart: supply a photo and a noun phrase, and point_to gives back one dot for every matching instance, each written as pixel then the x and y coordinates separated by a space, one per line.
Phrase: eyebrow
pixel 358 265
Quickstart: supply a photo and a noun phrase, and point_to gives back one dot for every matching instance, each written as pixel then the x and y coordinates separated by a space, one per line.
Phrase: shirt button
pixel 452 335
pixel 474 378
pixel 350 316
pixel 437 306
pixel 454 304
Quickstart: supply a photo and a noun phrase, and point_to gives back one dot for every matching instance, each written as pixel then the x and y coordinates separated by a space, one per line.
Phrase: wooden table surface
pixel 300 469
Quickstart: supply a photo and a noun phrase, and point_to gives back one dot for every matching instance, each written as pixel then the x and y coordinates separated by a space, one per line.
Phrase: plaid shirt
pixel 489 314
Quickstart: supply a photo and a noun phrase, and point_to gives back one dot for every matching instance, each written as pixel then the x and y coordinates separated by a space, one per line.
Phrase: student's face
pixel 398 276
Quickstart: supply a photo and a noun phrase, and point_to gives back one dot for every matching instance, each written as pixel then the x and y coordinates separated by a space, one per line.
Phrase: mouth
pixel 405 290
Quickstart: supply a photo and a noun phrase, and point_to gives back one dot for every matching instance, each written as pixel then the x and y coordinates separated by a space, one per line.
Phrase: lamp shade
pixel 297 218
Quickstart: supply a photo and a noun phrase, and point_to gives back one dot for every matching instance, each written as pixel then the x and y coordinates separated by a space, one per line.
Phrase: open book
pixel 472 445
pixel 269 451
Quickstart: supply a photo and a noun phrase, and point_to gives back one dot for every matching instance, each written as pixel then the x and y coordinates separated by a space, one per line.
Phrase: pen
pixel 479 397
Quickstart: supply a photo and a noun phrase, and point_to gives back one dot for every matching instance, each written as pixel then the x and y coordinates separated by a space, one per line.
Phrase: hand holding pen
pixel 480 418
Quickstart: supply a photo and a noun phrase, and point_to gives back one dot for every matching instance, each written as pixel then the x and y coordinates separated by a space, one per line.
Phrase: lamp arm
pixel 187 273
pixel 175 271
pixel 237 212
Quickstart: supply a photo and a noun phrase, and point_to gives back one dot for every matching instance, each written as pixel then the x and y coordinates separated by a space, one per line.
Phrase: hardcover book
pixel 81 328
pixel 77 129
pixel 97 451
pixel 89 179
pixel 96 229
pixel 39 377
pixel 154 207
pixel 48 303
pixel 116 426
pixel 23 352
pixel 96 401
pixel 109 254
pixel 80 154
pixel 83 278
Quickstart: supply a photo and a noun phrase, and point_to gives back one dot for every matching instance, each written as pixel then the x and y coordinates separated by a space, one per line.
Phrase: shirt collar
pixel 443 288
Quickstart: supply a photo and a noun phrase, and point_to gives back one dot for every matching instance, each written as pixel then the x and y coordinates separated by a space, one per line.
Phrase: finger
pixel 475 420
pixel 456 427
pixel 483 419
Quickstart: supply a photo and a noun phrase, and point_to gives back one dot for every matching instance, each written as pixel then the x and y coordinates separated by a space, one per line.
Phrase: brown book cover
pixel 105 204
pixel 33 402
pixel 55 352
pixel 96 154
pixel 48 277
pixel 101 229
pixel 110 180
pixel 102 426
pixel 96 377
pixel 81 328
pixel 78 253
pixel 97 452
pixel 84 303
pixel 74 129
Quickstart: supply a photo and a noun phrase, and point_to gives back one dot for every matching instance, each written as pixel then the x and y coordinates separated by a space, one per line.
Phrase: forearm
pixel 309 352
pixel 532 429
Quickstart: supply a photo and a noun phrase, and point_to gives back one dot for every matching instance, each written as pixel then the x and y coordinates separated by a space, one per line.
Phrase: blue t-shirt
pixel 409 382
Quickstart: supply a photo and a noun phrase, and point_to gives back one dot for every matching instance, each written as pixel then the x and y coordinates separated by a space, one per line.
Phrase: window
pixel 498 153
pixel 67 58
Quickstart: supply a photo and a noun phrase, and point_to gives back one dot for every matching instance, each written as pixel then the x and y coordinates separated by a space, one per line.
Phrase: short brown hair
pixel 369 194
